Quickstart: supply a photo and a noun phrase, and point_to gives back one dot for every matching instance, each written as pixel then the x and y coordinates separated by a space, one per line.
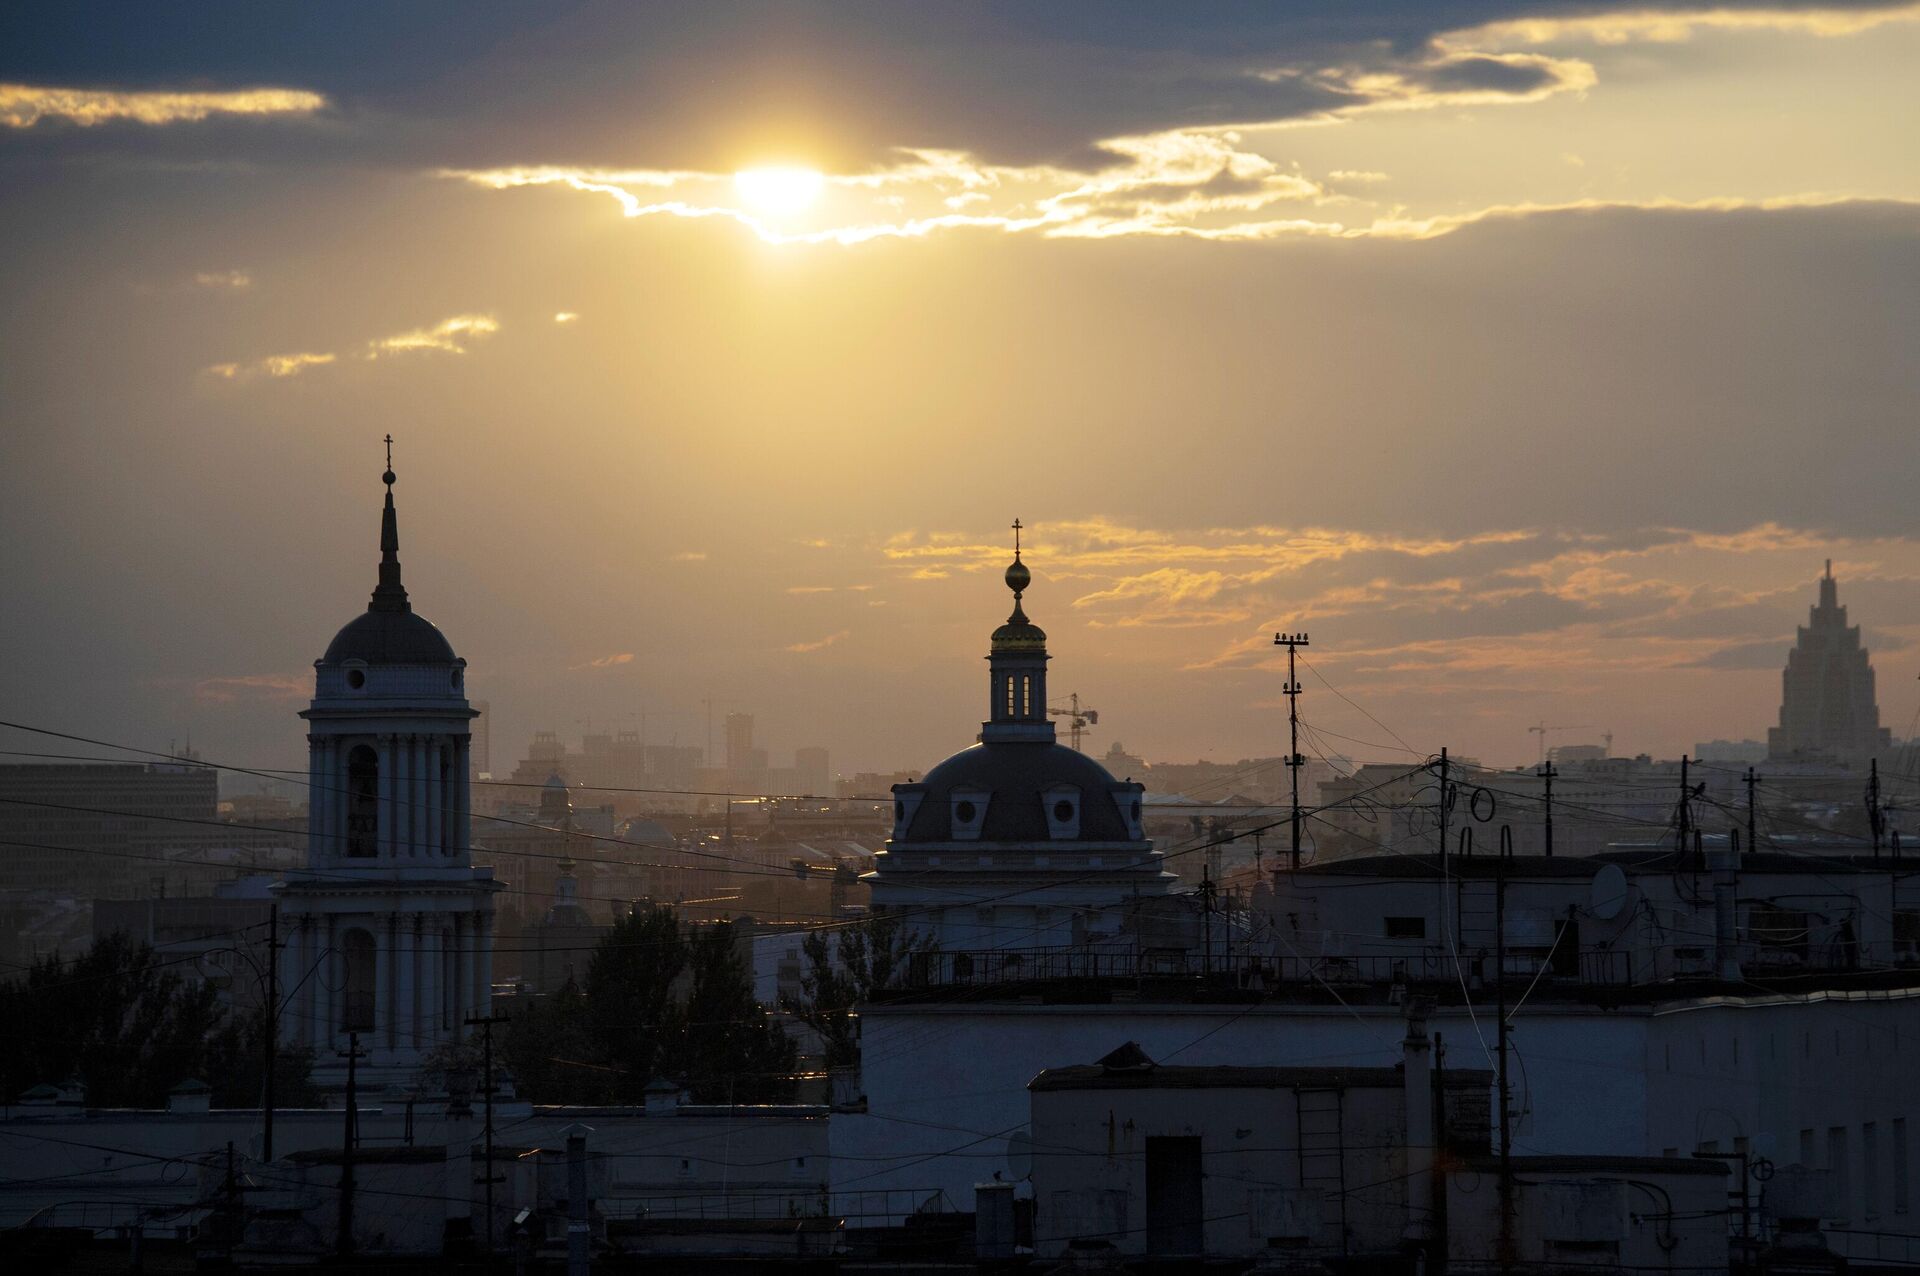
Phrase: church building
pixel 1020 842
pixel 389 928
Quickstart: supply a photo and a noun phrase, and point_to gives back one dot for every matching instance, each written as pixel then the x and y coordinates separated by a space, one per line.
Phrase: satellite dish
pixel 1020 1155
pixel 1609 893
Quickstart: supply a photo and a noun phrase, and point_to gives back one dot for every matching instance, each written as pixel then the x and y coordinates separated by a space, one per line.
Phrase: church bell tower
pixel 392 925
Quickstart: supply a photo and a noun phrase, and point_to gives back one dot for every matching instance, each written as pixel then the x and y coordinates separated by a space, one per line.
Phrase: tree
pixel 551 1050
pixel 730 1051
pixel 117 1018
pixel 630 1004
pixel 842 972
pixel 236 1066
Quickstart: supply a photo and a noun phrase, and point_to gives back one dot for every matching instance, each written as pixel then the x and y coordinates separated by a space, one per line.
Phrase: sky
pixel 1530 356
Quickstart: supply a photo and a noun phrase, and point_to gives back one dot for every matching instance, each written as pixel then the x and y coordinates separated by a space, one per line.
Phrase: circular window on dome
pixel 1062 811
pixel 356 679
pixel 965 811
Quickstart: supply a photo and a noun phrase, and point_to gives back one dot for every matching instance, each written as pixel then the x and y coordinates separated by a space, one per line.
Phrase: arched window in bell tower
pixel 363 802
pixel 357 1006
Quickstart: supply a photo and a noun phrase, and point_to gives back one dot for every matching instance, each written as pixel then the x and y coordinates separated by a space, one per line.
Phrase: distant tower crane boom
pixel 1078 717
pixel 1543 729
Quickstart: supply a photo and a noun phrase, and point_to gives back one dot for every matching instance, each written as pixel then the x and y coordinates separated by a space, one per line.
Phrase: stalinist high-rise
pixel 1827 708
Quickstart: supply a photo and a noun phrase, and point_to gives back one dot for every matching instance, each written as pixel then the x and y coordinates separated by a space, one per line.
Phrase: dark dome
pixel 390 638
pixel 1017 772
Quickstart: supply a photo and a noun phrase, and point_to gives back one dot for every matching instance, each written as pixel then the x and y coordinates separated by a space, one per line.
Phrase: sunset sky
pixel 1531 356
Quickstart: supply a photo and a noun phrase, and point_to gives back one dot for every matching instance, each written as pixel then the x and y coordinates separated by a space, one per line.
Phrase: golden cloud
pixel 449 336
pixel 265 686
pixel 278 366
pixel 819 644
pixel 607 662
pixel 25 105
pixel 1662 26
pixel 230 280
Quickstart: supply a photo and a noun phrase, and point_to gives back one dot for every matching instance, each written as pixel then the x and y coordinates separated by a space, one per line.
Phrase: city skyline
pixel 714 379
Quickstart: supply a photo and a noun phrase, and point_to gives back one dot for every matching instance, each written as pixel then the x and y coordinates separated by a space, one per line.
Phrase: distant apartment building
pixel 1827 707
pixel 1736 752
pixel 100 830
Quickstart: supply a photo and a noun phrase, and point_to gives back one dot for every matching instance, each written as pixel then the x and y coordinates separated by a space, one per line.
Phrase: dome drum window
pixel 968 812
pixel 1062 803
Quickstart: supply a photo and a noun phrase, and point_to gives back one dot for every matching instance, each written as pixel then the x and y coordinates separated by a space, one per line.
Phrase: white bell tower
pixel 389 928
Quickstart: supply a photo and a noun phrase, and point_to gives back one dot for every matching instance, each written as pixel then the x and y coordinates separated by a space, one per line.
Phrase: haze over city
pixel 1532 357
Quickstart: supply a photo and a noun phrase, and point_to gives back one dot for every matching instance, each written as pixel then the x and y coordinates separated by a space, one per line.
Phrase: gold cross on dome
pixel 1016 538
pixel 389 451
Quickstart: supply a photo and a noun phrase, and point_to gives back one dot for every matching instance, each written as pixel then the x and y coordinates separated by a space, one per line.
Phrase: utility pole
pixel 1546 802
pixel 1686 807
pixel 273 1028
pixel 1441 819
pixel 1207 890
pixel 1875 820
pixel 1506 1094
pixel 1293 642
pixel 485 1024
pixel 350 1134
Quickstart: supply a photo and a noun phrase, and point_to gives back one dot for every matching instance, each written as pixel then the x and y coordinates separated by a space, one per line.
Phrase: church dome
pixel 1018 776
pixel 390 638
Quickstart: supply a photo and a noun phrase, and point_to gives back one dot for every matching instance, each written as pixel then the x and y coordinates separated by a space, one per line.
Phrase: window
pixel 1406 927
pixel 363 801
pixel 1899 1151
pixel 357 962
pixel 1842 1179
pixel 1870 1169
pixel 1806 1148
pixel 1026 695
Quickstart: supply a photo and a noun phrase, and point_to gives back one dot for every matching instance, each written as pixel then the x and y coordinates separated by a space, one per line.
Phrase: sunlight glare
pixel 779 192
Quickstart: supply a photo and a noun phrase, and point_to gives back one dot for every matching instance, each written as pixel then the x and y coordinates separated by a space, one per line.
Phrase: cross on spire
pixel 388 476
pixel 1016 540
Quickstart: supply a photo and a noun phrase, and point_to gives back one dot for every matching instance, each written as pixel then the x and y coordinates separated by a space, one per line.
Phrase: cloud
pixel 277 366
pixel 449 336
pixel 607 662
pixel 566 316
pixel 224 280
pixel 691 556
pixel 809 589
pixel 24 105
pixel 820 644
pixel 257 686
pixel 1672 26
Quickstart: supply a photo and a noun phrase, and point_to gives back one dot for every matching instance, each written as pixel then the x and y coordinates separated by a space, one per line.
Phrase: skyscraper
pixel 1827 707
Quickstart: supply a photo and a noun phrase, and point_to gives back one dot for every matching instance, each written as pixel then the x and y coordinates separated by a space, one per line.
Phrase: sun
pixel 778 192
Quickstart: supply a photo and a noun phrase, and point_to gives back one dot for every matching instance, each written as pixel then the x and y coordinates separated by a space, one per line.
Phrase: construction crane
pixel 1078 717
pixel 1543 729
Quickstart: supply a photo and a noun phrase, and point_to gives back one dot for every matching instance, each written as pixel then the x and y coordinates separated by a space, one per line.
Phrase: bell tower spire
pixel 390 594
pixel 1017 667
